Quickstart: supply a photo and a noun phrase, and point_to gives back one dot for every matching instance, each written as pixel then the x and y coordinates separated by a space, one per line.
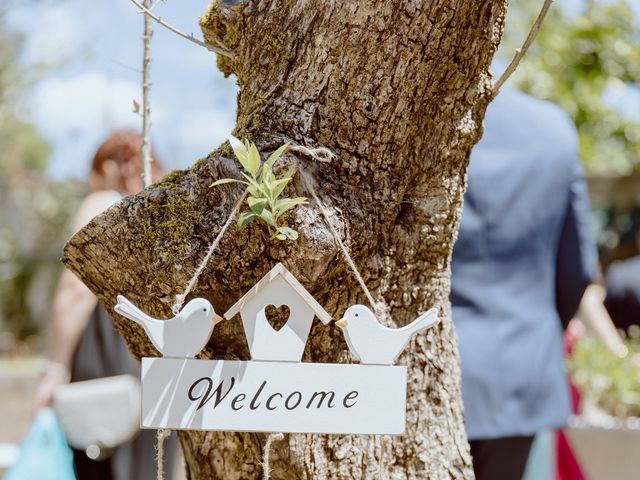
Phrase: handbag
pixel 44 453
pixel 98 415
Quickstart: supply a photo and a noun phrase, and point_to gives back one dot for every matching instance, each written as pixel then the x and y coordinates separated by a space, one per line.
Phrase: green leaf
pixel 285 204
pixel 287 232
pixel 267 188
pixel 223 181
pixel 245 218
pixel 268 217
pixel 254 161
pixel 265 172
pixel 276 155
pixel 279 185
pixel 256 204
pixel 255 191
pixel 240 151
pixel 256 186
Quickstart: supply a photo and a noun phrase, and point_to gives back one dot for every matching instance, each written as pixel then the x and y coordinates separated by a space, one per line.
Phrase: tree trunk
pixel 397 90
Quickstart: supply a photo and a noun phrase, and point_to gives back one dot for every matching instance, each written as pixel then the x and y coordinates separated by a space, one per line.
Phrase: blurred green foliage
pixel 586 59
pixel 35 211
pixel 613 382
pixel 36 215
pixel 22 146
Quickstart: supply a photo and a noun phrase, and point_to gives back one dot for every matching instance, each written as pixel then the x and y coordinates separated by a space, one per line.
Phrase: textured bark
pixel 397 90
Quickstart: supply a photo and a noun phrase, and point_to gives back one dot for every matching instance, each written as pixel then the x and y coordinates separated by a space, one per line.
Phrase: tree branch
pixel 520 52
pixel 146 104
pixel 191 38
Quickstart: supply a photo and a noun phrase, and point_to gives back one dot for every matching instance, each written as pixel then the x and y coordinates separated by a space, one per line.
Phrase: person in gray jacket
pixel 523 258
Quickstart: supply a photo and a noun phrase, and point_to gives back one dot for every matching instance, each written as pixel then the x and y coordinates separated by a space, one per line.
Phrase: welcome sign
pixel 274 391
pixel 273 396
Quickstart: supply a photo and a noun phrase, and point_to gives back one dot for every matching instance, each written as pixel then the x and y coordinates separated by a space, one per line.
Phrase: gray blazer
pixel 522 261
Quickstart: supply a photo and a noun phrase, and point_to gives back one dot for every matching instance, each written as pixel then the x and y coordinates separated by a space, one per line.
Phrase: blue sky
pixel 99 46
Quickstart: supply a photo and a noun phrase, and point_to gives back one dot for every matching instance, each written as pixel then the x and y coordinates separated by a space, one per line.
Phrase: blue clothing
pixel 522 261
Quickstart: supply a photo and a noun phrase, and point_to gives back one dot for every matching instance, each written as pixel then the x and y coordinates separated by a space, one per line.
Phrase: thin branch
pixel 146 103
pixel 520 52
pixel 128 67
pixel 191 38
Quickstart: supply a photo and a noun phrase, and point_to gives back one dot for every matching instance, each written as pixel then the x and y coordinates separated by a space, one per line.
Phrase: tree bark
pixel 397 90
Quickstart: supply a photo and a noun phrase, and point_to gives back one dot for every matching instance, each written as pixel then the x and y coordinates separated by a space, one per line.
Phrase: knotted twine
pixel 180 298
pixel 321 154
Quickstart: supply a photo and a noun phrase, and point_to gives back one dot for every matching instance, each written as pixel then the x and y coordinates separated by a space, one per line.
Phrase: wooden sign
pixel 253 396
pixel 275 391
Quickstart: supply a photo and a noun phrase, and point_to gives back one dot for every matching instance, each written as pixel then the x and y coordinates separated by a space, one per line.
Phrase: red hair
pixel 123 148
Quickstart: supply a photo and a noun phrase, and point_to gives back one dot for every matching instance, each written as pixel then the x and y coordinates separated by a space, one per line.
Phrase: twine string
pixel 320 154
pixel 266 454
pixel 180 298
pixel 377 306
pixel 162 435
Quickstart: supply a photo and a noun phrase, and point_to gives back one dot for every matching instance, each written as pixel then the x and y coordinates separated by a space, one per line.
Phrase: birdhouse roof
pixel 279 269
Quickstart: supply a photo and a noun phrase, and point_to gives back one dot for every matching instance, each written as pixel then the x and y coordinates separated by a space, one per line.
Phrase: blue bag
pixel 44 453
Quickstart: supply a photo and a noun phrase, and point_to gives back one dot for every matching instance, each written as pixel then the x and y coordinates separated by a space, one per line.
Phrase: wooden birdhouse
pixel 278 287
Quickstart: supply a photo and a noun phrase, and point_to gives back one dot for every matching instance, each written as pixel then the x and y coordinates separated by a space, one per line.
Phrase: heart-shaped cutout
pixel 277 317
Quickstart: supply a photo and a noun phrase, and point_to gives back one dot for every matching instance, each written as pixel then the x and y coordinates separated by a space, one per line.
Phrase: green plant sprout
pixel 264 189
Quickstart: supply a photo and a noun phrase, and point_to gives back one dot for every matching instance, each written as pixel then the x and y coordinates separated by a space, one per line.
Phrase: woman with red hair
pixel 82 344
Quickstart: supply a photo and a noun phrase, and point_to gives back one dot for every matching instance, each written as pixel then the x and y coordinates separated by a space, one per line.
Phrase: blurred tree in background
pixel 586 59
pixel 35 211
pixel 22 146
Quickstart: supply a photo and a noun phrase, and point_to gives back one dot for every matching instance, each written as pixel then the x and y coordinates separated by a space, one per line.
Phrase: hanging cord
pixel 162 435
pixel 383 450
pixel 379 307
pixel 320 154
pixel 180 298
pixel 266 455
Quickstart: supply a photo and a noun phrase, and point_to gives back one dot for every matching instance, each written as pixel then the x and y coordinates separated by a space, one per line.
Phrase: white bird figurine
pixel 182 336
pixel 372 343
